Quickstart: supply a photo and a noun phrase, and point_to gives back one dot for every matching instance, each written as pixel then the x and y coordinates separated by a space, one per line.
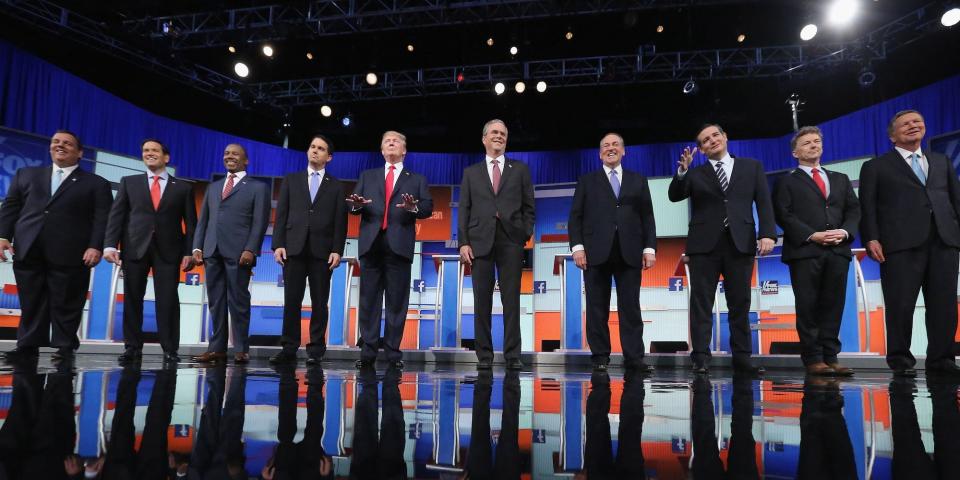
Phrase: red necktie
pixel 819 181
pixel 155 192
pixel 496 176
pixel 228 187
pixel 388 192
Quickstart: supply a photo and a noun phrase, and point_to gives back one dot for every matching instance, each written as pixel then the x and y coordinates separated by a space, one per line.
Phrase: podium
pixel 446 325
pixel 571 303
pixel 339 302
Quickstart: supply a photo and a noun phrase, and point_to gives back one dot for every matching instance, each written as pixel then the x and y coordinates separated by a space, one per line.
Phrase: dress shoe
pixel 944 367
pixel 130 355
pixel 171 357
pixel 21 353
pixel 638 366
pixel 748 367
pixel 820 369
pixel 700 368
pixel 514 364
pixel 395 364
pixel 840 370
pixel 283 357
pixel 241 357
pixel 63 354
pixel 484 364
pixel 365 363
pixel 211 357
pixel 904 372
pixel 314 360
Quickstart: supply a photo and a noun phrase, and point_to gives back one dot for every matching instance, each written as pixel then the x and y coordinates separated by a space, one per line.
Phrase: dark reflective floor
pixel 430 421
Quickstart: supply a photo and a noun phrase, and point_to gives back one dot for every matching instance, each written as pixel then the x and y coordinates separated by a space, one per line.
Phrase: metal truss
pixel 336 17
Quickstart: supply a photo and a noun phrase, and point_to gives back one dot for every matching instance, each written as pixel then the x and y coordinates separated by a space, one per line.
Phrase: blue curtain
pixel 36 96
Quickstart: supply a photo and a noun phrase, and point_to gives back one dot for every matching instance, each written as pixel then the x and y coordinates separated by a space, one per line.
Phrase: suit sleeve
pixel 119 213
pixel 189 219
pixel 201 231
pixel 575 221
pixel 679 189
pixel 527 207
pixel 261 217
pixel 463 210
pixel 649 221
pixel 340 222
pixel 358 190
pixel 283 210
pixel 10 210
pixel 761 197
pixel 869 227
pixel 953 185
pixel 102 199
pixel 425 205
pixel 851 210
pixel 795 230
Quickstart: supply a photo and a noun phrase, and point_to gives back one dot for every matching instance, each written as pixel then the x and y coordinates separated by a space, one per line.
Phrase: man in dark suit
pixel 309 234
pixel 56 216
pixel 389 200
pixel 305 459
pixel 819 213
pixel 613 235
pixel 148 219
pixel 485 462
pixel 722 240
pixel 910 202
pixel 496 217
pixel 218 448
pixel 233 220
pixel 598 459
pixel 825 448
pixel 742 447
pixel 378 453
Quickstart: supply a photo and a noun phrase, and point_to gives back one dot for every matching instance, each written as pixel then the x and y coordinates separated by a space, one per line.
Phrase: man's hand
pixel 875 250
pixel 333 260
pixel 246 258
pixel 186 263
pixel 113 257
pixel 4 247
pixel 829 237
pixel 765 246
pixel 72 465
pixel 466 254
pixel 356 201
pixel 580 259
pixel 91 257
pixel 280 255
pixel 409 203
pixel 686 158
pixel 837 235
pixel 198 257
pixel 649 260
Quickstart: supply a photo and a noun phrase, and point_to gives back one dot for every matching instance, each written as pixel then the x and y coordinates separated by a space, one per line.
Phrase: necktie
pixel 155 192
pixel 496 176
pixel 722 178
pixel 917 168
pixel 314 185
pixel 55 181
pixel 228 187
pixel 388 192
pixel 615 183
pixel 819 181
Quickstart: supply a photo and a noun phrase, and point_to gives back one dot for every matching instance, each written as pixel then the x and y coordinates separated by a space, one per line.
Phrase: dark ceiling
pixel 570 117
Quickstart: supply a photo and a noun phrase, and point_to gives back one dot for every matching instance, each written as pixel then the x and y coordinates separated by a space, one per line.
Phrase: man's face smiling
pixel 235 158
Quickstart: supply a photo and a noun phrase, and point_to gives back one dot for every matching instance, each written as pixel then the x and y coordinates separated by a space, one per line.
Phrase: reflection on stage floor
pixel 97 420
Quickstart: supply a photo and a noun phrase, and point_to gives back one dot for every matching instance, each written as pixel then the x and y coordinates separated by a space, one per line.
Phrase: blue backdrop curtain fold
pixel 38 97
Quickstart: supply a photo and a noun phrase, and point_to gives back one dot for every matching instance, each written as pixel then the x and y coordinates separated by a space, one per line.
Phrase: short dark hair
pixel 163 148
pixel 325 140
pixel 74 135
pixel 898 115
pixel 807 130
pixel 705 126
pixel 615 134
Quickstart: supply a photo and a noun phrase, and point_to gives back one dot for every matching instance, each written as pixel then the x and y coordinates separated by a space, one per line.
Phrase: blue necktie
pixel 314 185
pixel 615 183
pixel 55 181
pixel 917 169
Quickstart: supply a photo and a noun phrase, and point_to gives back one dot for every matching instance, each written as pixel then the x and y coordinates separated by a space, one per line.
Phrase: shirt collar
pixel 500 159
pixel 906 153
pixel 311 171
pixel 239 175
pixel 727 160
pixel 619 169
pixel 66 170
pixel 163 175
pixel 387 165
pixel 809 170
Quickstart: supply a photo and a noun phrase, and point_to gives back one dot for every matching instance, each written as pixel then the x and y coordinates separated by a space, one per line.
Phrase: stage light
pixel 541 86
pixel 460 77
pixel 691 87
pixel 513 50
pixel 309 56
pixel 232 49
pixel 808 32
pixel 326 111
pixel 520 87
pixel 409 47
pixel 241 69
pixel 841 12
pixel 490 42
pixel 659 28
pixel 267 50
pixel 866 78
pixel 741 38
pixel 346 121
pixel 371 79
pixel 950 17
pixel 499 88
pixel 569 35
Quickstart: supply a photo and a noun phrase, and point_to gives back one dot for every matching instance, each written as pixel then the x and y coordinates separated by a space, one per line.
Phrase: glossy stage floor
pixel 448 421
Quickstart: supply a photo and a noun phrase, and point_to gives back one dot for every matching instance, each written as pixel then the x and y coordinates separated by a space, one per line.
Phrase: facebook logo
pixel 539 436
pixel 540 286
pixel 675 284
pixel 419 285
pixel 678 445
pixel 192 279
pixel 181 431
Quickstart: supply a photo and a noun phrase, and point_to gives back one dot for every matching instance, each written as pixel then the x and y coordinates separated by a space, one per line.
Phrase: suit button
pixel 46 211
pixel 309 211
pixel 724 200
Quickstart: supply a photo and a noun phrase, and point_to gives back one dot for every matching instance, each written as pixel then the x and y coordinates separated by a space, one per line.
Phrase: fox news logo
pixel 769 287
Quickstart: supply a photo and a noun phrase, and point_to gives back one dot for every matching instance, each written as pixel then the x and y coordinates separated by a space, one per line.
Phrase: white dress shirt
pixel 906 157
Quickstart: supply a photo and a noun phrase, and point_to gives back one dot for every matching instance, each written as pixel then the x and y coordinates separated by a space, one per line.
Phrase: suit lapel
pixel 320 189
pixel 65 184
pixel 806 180
pixel 172 185
pixel 735 173
pixel 901 164
pixel 404 175
pixel 504 175
pixel 604 178
pixel 712 179
pixel 487 180
pixel 236 185
pixel 933 169
pixel 145 193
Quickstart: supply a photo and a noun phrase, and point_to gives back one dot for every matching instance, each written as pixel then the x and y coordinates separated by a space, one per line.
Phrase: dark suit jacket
pixel 235 224
pixel 479 207
pixel 802 211
pixel 597 216
pixel 747 184
pixel 134 222
pixel 323 221
pixel 70 222
pixel 894 202
pixel 401 224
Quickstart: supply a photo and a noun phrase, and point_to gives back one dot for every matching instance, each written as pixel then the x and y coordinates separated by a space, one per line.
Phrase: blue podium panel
pixel 446 423
pixel 449 304
pixel 88 419
pixel 572 306
pixel 338 319
pixel 334 410
pixel 571 443
pixel 753 318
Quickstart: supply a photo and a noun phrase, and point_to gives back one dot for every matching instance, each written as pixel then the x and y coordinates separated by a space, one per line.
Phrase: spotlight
pixel 326 111
pixel 268 50
pixel 541 86
pixel 371 79
pixel 460 77
pixel 309 56
pixel 691 87
pixel 241 69
pixel 409 47
pixel 346 121
pixel 490 42
pixel 569 35
pixel 866 78
pixel 513 50
pixel 741 38
pixel 520 87
pixel 950 17
pixel 659 28
pixel 499 88
pixel 808 32
pixel 841 12
pixel 232 49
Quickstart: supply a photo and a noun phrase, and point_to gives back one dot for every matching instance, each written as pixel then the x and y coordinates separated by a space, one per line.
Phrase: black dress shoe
pixel 396 364
pixel 130 355
pixel 749 368
pixel 63 354
pixel 639 367
pixel 283 357
pixel 904 372
pixel 484 364
pixel 314 360
pixel 21 353
pixel 514 364
pixel 171 357
pixel 700 368
pixel 946 368
pixel 365 363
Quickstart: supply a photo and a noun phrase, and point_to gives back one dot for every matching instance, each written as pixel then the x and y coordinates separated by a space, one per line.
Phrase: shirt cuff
pixel 110 249
pixel 650 251
pixel 682 173
pixel 195 250
pixel 577 248
pixel 847 237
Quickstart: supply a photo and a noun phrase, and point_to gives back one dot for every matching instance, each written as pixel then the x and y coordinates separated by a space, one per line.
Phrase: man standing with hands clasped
pixel 613 235
pixel 722 240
